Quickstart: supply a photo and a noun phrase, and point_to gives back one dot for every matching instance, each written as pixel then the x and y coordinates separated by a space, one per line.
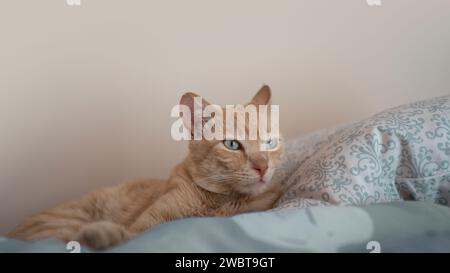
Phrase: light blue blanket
pixel 395 227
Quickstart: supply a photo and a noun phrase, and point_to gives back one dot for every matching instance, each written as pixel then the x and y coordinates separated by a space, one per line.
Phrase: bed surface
pixel 315 229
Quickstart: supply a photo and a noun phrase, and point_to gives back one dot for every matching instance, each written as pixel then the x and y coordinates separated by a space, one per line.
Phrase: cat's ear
pixel 192 101
pixel 263 97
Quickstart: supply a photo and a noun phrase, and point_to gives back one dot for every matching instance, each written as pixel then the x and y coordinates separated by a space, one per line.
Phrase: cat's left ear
pixel 263 96
pixel 192 101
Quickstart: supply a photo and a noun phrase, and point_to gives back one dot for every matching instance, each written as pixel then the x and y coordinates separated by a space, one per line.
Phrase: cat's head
pixel 233 166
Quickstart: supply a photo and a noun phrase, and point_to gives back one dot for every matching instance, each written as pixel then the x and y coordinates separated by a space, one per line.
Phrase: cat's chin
pixel 256 187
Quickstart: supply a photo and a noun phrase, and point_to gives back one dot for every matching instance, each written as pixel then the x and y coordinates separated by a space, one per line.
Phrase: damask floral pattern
pixel 399 154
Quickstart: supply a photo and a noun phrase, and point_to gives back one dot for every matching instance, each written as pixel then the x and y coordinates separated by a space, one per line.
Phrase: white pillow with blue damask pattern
pixel 399 154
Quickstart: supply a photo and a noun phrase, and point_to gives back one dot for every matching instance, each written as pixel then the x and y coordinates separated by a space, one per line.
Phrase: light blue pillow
pixel 399 154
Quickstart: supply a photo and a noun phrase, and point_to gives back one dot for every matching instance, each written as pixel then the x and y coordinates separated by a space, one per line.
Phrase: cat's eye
pixel 232 144
pixel 271 144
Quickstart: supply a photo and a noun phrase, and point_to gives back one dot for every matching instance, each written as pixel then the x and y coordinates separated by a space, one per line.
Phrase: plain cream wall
pixel 86 92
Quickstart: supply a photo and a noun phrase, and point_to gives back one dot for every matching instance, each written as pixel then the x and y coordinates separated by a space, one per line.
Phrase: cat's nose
pixel 260 167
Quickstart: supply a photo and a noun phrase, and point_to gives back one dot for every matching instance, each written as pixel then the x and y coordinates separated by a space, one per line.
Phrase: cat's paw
pixel 102 235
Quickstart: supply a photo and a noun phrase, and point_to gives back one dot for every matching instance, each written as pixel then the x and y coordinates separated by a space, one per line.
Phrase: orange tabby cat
pixel 217 178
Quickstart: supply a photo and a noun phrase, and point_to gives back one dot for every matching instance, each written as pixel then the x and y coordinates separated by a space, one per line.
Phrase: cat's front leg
pixel 261 202
pixel 168 207
pixel 145 222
